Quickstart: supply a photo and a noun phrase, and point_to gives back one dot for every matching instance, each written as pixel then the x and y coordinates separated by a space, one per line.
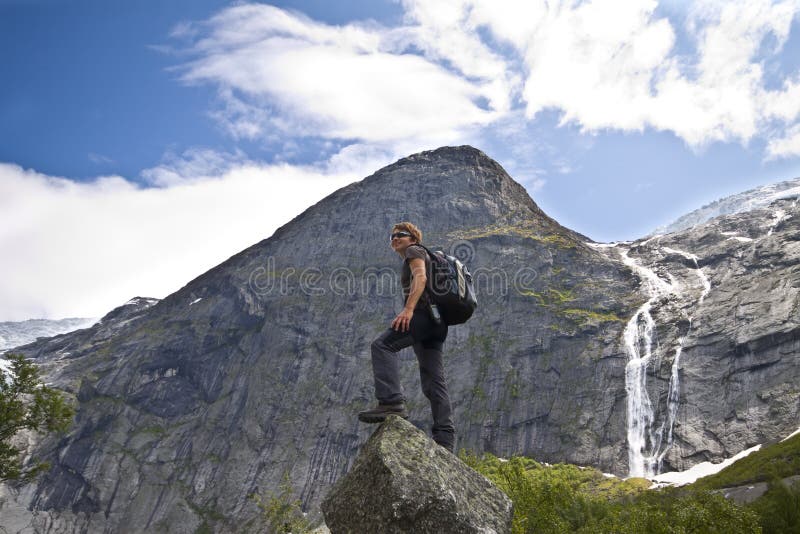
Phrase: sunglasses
pixel 398 235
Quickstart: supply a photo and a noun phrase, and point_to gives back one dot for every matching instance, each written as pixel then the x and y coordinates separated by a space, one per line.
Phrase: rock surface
pixel 257 369
pixel 750 492
pixel 403 482
pixel 739 345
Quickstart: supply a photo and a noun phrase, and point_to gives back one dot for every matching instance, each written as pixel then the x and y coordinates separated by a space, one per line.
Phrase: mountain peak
pixel 443 191
pixel 454 166
pixel 465 154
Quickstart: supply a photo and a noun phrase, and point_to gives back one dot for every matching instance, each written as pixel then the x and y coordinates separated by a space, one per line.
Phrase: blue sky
pixel 142 143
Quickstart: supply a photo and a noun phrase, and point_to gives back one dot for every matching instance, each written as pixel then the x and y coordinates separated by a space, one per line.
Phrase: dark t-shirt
pixel 414 251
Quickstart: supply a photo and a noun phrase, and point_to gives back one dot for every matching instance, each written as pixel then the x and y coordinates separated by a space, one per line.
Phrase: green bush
pixel 779 508
pixel 566 498
pixel 282 512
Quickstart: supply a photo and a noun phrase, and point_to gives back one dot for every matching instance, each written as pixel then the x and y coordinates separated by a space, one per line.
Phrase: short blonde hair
pixel 415 232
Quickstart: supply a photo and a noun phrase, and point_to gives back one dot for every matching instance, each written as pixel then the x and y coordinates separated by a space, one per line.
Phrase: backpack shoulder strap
pixel 430 254
pixel 429 267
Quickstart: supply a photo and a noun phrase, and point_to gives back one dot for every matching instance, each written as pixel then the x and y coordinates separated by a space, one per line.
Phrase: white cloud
pixel 457 65
pixel 727 99
pixel 99 159
pixel 447 31
pixel 280 70
pixel 195 164
pixel 606 64
pixel 787 146
pixel 596 62
pixel 80 249
pixel 455 68
pixel 784 104
pixel 610 65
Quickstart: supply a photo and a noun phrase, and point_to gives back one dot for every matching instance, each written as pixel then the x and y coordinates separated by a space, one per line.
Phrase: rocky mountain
pixel 757 198
pixel 721 327
pixel 631 357
pixel 16 333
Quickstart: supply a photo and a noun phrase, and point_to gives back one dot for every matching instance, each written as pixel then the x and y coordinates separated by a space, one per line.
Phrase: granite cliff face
pixel 256 369
pixel 729 312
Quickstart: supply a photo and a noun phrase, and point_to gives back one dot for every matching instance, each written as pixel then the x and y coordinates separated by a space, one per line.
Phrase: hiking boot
pixel 379 413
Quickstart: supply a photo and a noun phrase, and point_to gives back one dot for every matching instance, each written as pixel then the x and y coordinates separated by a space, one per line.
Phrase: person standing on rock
pixel 415 327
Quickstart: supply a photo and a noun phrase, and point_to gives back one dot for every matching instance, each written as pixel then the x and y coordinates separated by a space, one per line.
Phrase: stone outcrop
pixel 403 482
pixel 257 369
pixel 750 492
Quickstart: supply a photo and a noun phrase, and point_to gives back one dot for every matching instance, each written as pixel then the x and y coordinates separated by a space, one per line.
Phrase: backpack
pixel 450 287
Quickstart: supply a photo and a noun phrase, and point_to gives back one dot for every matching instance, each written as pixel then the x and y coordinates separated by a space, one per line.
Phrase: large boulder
pixel 403 482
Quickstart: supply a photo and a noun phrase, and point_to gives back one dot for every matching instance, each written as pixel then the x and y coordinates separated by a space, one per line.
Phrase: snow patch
pixel 741 239
pixel 793 434
pixel 657 236
pixel 138 300
pixel 195 301
pixel 681 478
pixel 686 255
pixel 602 245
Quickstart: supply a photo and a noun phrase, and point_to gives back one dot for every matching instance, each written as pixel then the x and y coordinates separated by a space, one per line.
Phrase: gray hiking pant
pixel 427 338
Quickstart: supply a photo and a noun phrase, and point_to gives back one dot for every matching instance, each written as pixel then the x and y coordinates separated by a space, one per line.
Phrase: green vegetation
pixel 478 393
pixel 27 404
pixel 512 384
pixel 583 316
pixel 552 297
pixel 282 512
pixel 557 240
pixel 567 498
pixel 558 299
pixel 779 508
pixel 776 461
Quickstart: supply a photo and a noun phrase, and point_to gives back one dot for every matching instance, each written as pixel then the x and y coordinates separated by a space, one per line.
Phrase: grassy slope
pixel 568 498
pixel 778 460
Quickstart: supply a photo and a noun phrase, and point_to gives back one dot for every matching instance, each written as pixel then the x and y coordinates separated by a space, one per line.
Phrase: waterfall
pixel 777 217
pixel 638 338
pixel 647 445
